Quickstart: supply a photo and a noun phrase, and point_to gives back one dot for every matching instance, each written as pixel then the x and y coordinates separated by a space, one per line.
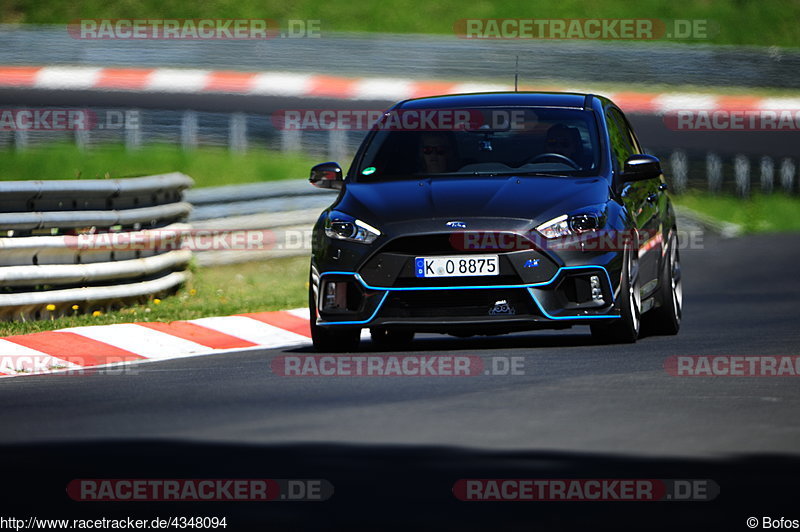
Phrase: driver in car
pixel 437 153
pixel 565 140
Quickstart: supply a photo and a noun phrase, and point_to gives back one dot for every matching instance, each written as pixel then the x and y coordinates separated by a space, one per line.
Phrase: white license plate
pixel 457 266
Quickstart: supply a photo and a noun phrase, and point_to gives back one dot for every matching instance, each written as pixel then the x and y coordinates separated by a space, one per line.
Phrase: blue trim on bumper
pixel 528 287
pixel 551 317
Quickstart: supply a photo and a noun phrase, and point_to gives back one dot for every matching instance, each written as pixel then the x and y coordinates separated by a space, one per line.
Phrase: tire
pixel 624 330
pixel 666 318
pixel 327 340
pixel 391 337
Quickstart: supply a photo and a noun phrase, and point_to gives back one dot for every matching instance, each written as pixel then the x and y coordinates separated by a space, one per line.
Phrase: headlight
pixel 341 226
pixel 573 224
pixel 556 227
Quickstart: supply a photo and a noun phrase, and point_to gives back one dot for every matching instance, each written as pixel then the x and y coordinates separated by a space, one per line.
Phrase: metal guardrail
pixel 254 198
pixel 189 129
pixel 102 203
pixel 57 256
pixel 738 175
pixel 282 211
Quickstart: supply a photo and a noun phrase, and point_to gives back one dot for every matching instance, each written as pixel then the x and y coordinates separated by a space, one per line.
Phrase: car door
pixel 640 198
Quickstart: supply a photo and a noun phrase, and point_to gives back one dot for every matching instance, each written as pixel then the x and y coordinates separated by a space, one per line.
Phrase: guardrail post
pixel 189 130
pixel 290 140
pixel 81 139
pixel 741 172
pixel 20 139
pixel 787 175
pixel 714 173
pixel 679 163
pixel 767 175
pixel 237 132
pixel 133 132
pixel 337 144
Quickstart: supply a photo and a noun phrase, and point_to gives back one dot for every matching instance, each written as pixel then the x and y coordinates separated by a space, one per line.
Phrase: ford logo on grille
pixel 456 224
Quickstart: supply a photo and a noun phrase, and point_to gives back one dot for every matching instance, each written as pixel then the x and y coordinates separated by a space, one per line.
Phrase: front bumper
pixel 563 299
pixel 538 284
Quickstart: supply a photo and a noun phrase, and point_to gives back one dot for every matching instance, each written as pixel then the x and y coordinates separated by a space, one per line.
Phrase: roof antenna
pixel 516 74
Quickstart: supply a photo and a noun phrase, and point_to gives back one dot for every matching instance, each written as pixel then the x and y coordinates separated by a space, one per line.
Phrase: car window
pixel 626 126
pixel 532 140
pixel 622 146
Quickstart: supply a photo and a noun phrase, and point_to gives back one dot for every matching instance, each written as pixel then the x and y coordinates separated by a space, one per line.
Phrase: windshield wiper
pixel 489 173
pixel 531 173
pixel 437 174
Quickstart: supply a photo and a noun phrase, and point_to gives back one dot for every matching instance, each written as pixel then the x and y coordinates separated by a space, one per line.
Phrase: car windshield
pixel 484 141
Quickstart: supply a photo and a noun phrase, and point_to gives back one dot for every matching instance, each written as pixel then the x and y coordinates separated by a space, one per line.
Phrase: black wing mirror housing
pixel 641 167
pixel 327 175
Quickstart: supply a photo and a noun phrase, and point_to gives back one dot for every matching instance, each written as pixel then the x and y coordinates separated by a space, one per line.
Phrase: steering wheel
pixel 552 155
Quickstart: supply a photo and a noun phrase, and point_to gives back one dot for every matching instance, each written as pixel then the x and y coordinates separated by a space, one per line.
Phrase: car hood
pixel 531 198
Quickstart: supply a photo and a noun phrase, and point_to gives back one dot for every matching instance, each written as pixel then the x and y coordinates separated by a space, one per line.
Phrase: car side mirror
pixel 327 175
pixel 640 167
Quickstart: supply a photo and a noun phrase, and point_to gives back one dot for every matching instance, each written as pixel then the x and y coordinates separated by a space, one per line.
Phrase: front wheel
pixel 330 340
pixel 625 329
pixel 666 319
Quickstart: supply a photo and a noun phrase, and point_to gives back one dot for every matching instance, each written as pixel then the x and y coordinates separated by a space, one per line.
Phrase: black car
pixel 491 213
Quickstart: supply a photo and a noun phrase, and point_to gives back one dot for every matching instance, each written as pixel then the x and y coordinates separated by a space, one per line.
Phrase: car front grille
pixel 478 303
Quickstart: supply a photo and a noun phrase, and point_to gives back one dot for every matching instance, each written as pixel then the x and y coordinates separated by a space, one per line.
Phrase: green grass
pixel 208 166
pixel 750 22
pixel 219 291
pixel 759 214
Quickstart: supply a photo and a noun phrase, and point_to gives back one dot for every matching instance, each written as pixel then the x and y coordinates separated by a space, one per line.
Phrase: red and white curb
pixel 289 84
pixel 76 348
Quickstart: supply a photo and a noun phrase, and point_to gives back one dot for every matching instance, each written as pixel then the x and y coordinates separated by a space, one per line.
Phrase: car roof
pixel 511 99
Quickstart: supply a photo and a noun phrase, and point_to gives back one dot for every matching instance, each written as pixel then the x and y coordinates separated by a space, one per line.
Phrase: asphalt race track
pixel 393 446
